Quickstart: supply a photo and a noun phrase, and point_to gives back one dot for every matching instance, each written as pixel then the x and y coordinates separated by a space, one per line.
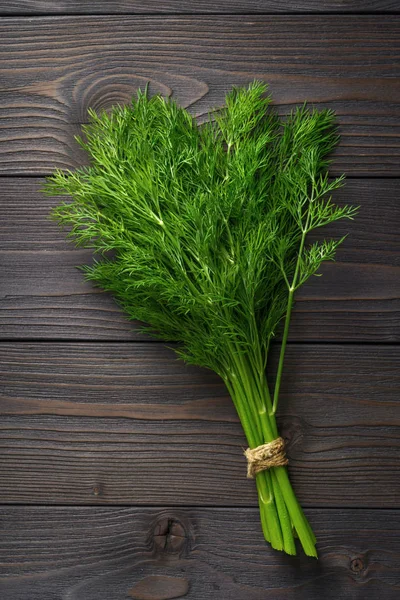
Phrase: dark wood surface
pixel 56 7
pixel 53 68
pixel 92 553
pixel 45 296
pixel 121 469
pixel 121 423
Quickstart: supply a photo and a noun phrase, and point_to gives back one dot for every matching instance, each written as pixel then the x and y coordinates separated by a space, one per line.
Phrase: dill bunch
pixel 200 232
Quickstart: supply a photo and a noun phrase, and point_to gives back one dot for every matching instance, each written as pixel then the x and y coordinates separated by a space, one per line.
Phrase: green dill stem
pixel 289 308
pixel 285 519
pixel 268 514
pixel 306 536
pixel 283 488
pixel 249 390
pixel 288 507
pixel 243 397
pixel 270 432
pixel 283 348
pixel 299 520
pixel 281 501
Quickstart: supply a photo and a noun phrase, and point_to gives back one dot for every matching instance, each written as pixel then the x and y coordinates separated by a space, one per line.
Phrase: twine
pixel 265 457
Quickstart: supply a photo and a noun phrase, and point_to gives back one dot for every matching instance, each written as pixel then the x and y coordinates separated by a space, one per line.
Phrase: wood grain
pixel 44 296
pixel 53 69
pixel 124 431
pixel 34 7
pixel 102 553
pixel 128 423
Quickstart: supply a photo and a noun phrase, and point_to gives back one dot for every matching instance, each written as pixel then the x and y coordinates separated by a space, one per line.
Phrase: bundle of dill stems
pixel 200 232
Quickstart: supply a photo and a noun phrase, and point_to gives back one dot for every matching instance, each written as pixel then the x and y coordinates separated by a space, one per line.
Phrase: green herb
pixel 207 226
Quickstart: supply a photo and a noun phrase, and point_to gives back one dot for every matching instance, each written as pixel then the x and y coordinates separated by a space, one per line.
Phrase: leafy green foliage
pixel 206 224
pixel 200 232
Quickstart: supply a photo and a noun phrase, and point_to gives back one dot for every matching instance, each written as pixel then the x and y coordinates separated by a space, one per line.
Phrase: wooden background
pixel 109 487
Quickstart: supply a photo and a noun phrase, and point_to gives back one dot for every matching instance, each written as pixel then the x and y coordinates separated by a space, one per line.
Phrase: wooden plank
pixel 44 296
pixel 67 7
pixel 101 553
pixel 128 423
pixel 52 69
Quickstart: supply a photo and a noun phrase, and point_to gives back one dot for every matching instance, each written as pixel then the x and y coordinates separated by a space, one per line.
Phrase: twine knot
pixel 271 454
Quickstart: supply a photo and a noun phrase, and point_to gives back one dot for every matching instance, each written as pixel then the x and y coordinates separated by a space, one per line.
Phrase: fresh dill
pixel 201 233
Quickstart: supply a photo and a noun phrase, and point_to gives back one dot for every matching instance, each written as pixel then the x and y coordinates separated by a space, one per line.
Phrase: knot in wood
pixel 170 535
pixel 266 456
pixel 357 565
pixel 97 490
